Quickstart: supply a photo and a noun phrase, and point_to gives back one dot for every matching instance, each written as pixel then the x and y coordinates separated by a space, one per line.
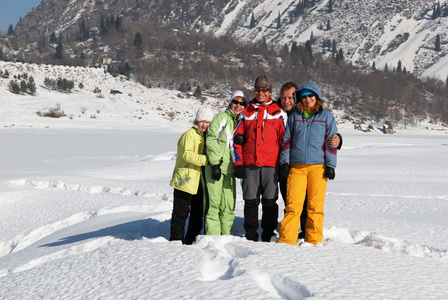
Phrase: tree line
pixel 163 56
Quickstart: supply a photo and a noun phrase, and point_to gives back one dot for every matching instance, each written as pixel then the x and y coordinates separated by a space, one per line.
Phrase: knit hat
pixel 262 82
pixel 240 94
pixel 204 114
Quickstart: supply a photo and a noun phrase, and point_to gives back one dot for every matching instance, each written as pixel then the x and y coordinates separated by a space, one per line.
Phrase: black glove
pixel 329 173
pixel 284 172
pixel 239 172
pixel 239 139
pixel 216 172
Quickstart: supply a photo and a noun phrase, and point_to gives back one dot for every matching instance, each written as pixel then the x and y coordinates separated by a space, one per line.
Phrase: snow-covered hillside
pixel 380 32
pixel 85 207
pixel 137 105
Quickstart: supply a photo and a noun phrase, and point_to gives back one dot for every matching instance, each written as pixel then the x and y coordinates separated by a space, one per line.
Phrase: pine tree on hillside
pixel 399 67
pixel 252 21
pixel 437 43
pixel 1 54
pixel 53 38
pixel 334 50
pixel 59 50
pixel 339 57
pixel 300 9
pixel 83 31
pixel 138 45
pixel 10 30
pixel 279 22
pixel 330 6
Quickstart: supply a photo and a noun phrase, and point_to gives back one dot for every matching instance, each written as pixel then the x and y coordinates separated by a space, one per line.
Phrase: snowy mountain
pixel 369 32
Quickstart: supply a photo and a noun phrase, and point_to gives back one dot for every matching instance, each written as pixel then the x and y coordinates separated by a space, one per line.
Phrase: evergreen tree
pixel 53 38
pixel 83 31
pixel 252 21
pixel 138 45
pixel 300 8
pixel 31 86
pixel 103 27
pixel 399 67
pixel 198 92
pixel 373 66
pixel 23 86
pixel 1 54
pixel 437 43
pixel 14 87
pixel 10 30
pixel 328 25
pixel 339 57
pixel 279 22
pixel 386 69
pixel 330 6
pixel 59 50
pixel 118 23
pixel 334 50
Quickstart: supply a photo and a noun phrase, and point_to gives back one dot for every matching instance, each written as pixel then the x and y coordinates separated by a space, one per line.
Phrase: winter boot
pixel 269 221
pixel 251 219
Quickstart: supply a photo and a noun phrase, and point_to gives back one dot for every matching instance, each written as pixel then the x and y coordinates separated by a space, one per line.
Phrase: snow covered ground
pixel 85 208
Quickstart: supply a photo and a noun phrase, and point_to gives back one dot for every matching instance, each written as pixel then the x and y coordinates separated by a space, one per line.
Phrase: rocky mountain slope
pixel 369 32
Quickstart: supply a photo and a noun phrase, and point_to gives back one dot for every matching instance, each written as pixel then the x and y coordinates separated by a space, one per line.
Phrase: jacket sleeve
pixel 238 149
pixel 216 139
pixel 286 144
pixel 330 152
pixel 189 145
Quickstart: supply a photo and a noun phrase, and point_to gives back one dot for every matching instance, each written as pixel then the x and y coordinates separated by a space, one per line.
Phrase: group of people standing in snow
pixel 291 143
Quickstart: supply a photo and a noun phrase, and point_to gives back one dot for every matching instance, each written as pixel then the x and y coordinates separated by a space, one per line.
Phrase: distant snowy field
pixel 85 208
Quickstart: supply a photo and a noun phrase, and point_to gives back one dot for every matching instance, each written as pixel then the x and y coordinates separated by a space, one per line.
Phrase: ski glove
pixel 216 172
pixel 239 172
pixel 239 139
pixel 284 172
pixel 329 173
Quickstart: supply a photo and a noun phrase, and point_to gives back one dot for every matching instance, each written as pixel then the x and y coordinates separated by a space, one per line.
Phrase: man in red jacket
pixel 257 159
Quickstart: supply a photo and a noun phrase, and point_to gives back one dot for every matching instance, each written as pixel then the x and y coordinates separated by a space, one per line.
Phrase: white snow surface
pixel 85 207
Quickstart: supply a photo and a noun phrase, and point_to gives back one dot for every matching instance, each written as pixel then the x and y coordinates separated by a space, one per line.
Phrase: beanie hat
pixel 262 82
pixel 204 114
pixel 239 94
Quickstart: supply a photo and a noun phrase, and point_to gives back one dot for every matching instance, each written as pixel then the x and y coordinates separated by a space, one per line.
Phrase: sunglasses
pixel 307 96
pixel 242 103
pixel 263 91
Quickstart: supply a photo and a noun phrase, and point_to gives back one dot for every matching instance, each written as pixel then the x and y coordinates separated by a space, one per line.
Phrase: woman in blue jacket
pixel 307 161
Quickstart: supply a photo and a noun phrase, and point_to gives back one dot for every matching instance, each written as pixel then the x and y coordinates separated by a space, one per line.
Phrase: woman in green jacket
pixel 186 180
pixel 219 177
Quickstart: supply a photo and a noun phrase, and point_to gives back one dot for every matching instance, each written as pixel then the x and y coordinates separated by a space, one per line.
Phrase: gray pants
pixel 260 181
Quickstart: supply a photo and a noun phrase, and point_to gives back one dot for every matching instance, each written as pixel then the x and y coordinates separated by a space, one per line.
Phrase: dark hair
pixel 288 85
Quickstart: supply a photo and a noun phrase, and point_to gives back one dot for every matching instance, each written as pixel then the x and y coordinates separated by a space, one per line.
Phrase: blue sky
pixel 12 10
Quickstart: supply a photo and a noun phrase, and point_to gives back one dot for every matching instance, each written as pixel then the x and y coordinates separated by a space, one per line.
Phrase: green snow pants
pixel 219 203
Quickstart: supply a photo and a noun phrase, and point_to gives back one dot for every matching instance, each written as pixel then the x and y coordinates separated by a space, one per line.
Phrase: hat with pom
pixel 204 114
pixel 262 82
pixel 239 94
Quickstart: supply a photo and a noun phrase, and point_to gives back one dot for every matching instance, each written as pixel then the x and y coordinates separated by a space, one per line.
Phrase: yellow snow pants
pixel 304 180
